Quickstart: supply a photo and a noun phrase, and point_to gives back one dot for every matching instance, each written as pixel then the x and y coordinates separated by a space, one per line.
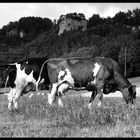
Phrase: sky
pixel 10 12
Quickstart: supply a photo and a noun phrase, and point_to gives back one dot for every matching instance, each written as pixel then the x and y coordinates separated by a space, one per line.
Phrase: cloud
pixel 110 12
pixel 54 10
pixel 110 9
pixel 14 11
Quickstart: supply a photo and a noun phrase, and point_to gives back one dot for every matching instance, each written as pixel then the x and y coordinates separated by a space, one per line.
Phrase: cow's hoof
pixel 99 104
pixel 60 103
pixel 89 106
pixel 51 105
pixel 10 106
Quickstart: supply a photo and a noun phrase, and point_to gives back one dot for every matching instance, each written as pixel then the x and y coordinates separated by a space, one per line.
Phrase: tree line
pixel 114 37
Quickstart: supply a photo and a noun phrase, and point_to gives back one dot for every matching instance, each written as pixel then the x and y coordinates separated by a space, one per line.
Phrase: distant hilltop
pixel 72 21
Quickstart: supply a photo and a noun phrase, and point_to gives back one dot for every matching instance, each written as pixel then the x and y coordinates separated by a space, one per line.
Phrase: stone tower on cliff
pixel 72 21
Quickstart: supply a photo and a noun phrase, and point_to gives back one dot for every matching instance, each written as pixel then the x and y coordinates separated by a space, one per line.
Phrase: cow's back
pixel 81 69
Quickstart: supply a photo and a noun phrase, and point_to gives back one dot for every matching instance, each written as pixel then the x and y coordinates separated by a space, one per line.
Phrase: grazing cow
pixel 99 75
pixel 23 77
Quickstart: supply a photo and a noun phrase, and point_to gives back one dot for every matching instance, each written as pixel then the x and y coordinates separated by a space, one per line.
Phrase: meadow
pixel 36 118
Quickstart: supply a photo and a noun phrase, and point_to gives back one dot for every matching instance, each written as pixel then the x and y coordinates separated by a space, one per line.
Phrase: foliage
pixel 106 37
pixel 30 26
pixel 95 20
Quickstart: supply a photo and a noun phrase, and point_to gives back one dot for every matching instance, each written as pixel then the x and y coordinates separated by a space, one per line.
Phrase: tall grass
pixel 36 118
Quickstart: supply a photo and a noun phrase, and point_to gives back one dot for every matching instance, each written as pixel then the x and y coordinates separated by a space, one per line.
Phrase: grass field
pixel 35 118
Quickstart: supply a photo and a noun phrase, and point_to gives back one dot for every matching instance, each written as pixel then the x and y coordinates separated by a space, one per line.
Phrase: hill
pixel 117 37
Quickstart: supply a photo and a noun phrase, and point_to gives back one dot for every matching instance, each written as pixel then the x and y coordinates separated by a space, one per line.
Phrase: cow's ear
pixel 134 87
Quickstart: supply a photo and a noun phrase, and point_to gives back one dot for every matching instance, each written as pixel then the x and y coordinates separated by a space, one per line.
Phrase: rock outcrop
pixel 71 24
pixel 14 32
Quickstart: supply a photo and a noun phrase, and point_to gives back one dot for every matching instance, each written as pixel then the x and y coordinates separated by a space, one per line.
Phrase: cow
pixel 24 76
pixel 100 75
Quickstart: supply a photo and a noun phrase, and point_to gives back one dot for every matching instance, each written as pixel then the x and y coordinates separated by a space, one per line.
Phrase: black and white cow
pixel 25 76
pixel 99 75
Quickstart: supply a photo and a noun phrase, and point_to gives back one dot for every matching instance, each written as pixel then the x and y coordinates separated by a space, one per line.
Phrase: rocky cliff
pixel 71 24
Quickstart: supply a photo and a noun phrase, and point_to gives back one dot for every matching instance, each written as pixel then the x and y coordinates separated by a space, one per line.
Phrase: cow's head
pixel 132 91
pixel 129 94
pixel 29 87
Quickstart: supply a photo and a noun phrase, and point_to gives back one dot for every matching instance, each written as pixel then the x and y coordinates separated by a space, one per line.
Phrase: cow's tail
pixel 6 84
pixel 42 70
pixel 37 83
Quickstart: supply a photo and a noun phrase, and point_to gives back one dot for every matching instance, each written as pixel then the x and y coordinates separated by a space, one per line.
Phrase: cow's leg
pixel 60 103
pixel 10 99
pixel 16 97
pixel 10 96
pixel 36 86
pixel 99 86
pixel 99 96
pixel 93 95
pixel 52 95
pixel 61 91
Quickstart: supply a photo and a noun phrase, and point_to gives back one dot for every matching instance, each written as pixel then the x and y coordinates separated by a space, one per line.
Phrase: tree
pixel 136 17
pixel 129 18
pixel 82 16
pixel 131 49
pixel 120 17
pixel 94 21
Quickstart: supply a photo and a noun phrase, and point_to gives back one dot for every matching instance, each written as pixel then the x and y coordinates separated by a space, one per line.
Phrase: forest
pixel 117 37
